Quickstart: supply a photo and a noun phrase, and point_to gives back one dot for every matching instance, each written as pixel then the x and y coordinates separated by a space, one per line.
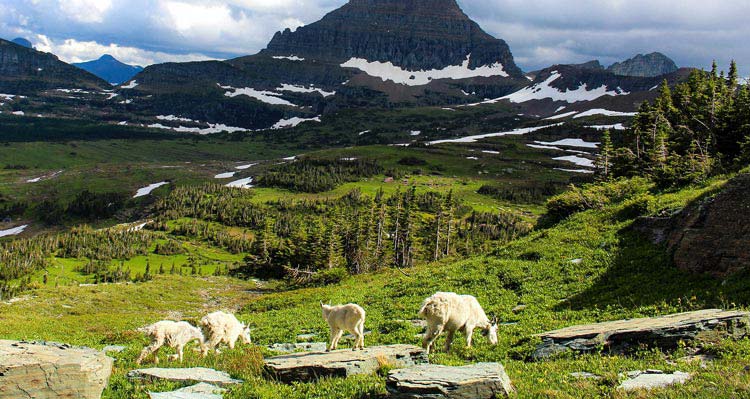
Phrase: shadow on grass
pixel 642 275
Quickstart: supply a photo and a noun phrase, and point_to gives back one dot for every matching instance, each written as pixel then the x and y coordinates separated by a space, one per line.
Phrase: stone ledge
pixel 476 381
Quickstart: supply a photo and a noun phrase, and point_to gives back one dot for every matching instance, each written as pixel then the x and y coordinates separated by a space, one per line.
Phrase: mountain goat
pixel 447 311
pixel 224 327
pixel 342 318
pixel 175 334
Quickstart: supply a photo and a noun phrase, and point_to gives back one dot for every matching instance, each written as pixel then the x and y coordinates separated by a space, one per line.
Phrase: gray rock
pixel 652 379
pixel 305 367
pixel 584 375
pixel 185 375
pixel 113 348
pixel 306 337
pixel 299 347
pixel 477 381
pixel 50 370
pixel 663 332
pixel 198 391
pixel 649 65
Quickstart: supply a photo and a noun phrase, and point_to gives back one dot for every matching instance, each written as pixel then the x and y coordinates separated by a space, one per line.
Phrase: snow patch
pixel 173 118
pixel 226 175
pixel 580 161
pixel 268 97
pixel 45 177
pixel 473 139
pixel 599 111
pixel 288 57
pixel 242 183
pixel 617 126
pixel 543 90
pixel 18 113
pixel 142 192
pixel 245 167
pixel 561 116
pixel 491 152
pixel 293 122
pixel 579 143
pixel 303 89
pixel 363 133
pixel 131 85
pixel 415 133
pixel 14 231
pixel 387 71
pixel 587 171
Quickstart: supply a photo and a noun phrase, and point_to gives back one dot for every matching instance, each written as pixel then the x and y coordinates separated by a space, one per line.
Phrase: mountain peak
pixel 648 65
pixel 415 35
pixel 22 42
pixel 110 69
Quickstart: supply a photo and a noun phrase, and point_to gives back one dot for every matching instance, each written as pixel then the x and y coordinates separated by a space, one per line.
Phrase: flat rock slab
pixel 185 375
pixel 50 370
pixel 300 347
pixel 307 367
pixel 652 379
pixel 477 381
pixel 664 332
pixel 198 391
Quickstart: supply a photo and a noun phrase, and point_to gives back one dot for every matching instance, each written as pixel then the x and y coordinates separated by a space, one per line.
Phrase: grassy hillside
pixel 620 275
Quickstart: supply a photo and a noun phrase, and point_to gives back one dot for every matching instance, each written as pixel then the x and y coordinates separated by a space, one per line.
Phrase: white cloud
pixel 71 50
pixel 87 11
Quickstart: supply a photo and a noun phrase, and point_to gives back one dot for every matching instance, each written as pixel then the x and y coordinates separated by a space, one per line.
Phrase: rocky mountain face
pixel 414 35
pixel 649 65
pixel 24 71
pixel 110 69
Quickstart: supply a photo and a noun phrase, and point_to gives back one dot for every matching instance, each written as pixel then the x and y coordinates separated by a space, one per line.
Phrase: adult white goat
pixel 450 312
pixel 224 327
pixel 342 318
pixel 175 334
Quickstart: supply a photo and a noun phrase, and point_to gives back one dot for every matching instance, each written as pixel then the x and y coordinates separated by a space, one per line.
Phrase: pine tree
pixel 603 161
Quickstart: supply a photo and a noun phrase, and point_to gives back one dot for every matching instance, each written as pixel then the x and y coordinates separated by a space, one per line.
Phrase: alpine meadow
pixel 379 201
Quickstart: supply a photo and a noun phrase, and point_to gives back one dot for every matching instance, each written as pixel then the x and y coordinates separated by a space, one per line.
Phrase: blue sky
pixel 540 32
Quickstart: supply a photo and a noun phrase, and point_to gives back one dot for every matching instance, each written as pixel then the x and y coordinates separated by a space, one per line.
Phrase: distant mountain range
pixel 110 69
pixel 368 53
pixel 23 42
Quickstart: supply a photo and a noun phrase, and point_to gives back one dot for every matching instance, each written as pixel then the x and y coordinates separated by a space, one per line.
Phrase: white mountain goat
pixel 342 318
pixel 175 334
pixel 449 312
pixel 224 327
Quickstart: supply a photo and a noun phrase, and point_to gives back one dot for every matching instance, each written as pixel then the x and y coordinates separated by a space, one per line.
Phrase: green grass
pixel 621 276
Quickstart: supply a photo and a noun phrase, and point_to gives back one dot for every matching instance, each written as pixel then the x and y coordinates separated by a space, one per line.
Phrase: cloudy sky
pixel 540 32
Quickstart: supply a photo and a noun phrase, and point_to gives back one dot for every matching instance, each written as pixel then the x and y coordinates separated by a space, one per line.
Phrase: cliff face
pixel 714 236
pixel 649 65
pixel 413 34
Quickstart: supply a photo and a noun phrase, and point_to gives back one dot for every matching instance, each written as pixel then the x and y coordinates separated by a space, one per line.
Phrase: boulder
pixel 307 367
pixel 477 381
pixel 299 347
pixel 50 370
pixel 198 391
pixel 185 375
pixel 652 379
pixel 664 332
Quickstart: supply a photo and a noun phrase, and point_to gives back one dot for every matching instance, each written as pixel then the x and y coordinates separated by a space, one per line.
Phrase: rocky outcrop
pixel 305 367
pixel 713 236
pixel 665 332
pixel 649 65
pixel 185 375
pixel 652 379
pixel 49 370
pixel 477 381
pixel 299 347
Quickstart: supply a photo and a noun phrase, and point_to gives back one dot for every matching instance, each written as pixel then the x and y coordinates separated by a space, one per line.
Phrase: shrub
pixel 593 196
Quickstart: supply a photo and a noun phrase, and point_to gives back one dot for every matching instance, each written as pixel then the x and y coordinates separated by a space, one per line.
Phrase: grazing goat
pixel 342 318
pixel 224 327
pixel 446 311
pixel 175 334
